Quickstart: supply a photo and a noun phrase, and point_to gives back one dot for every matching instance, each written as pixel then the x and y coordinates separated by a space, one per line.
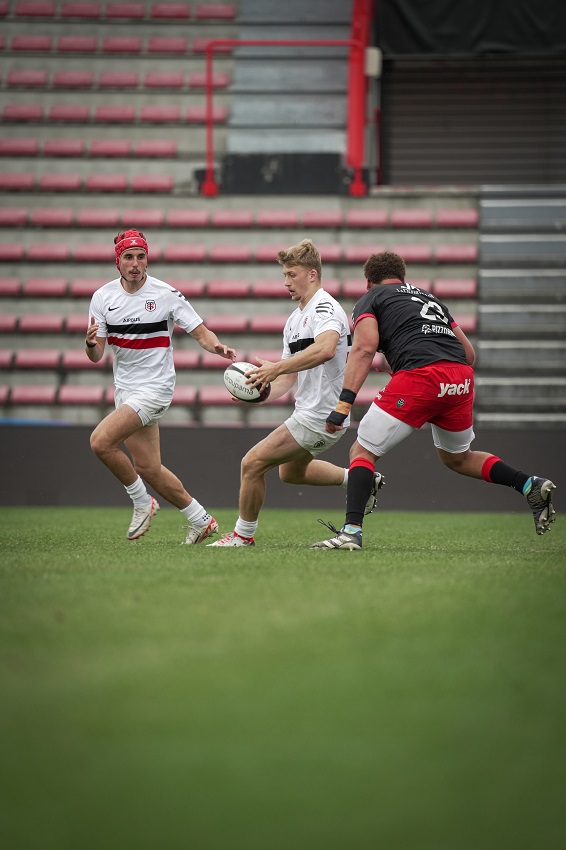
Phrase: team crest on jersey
pixel 400 402
pixel 150 306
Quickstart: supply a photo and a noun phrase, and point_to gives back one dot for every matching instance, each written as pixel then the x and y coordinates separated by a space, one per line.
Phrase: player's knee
pixel 97 444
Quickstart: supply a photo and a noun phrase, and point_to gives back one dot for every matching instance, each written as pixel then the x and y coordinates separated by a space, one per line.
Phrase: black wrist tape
pixel 349 396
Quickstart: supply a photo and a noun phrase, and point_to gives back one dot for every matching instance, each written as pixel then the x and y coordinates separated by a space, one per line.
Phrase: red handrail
pixel 356 102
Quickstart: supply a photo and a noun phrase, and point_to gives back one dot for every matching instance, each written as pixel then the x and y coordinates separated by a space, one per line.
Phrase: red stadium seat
pixel 76 324
pixel 457 218
pixel 265 324
pixel 227 324
pixel 330 253
pixel 9 287
pixel 37 323
pixel 354 288
pixel 468 323
pixel 19 147
pixel 230 254
pixel 4 8
pixel 94 253
pixel 456 288
pixel 37 358
pixel 333 287
pixel 150 183
pixel 268 253
pixel 80 9
pixel 174 11
pixel 11 252
pixel 118 80
pixel 168 44
pixel 214 396
pixel 121 44
pixel 63 147
pixel 142 218
pixel 360 253
pixel 73 79
pixel 322 218
pixel 34 8
pixel 232 218
pixel 366 218
pixel 13 216
pixel 228 289
pixel 52 217
pixel 110 147
pixel 197 114
pixel 114 114
pixel 8 323
pixel 411 218
pixel 215 11
pixel 185 396
pixel 60 182
pixel 32 43
pixel 69 113
pixel 277 218
pixel 22 112
pixel 82 395
pixel 187 218
pixel 164 80
pixel 271 354
pixel 32 395
pixel 81 288
pixel 184 254
pixel 155 148
pixel 16 181
pixel 200 45
pixel 45 287
pixel 269 289
pixel 456 254
pixel 414 253
pixel 197 80
pixel 76 360
pixel 156 114
pixel 186 359
pixel 131 11
pixel 188 288
pixel 5 358
pixel 106 183
pixel 26 78
pixel 212 361
pixel 47 252
pixel 92 217
pixel 77 44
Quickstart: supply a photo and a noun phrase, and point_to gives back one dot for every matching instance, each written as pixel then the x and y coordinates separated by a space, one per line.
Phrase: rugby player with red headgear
pixel 135 315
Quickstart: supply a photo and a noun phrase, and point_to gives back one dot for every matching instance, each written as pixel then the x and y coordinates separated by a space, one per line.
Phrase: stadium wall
pixel 53 465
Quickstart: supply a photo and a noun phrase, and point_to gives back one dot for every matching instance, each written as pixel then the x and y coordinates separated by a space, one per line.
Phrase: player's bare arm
pixel 322 349
pixel 94 346
pixel 210 342
pixel 468 347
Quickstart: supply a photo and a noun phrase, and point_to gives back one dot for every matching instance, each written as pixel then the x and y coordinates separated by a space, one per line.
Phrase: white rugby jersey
pixel 139 327
pixel 318 388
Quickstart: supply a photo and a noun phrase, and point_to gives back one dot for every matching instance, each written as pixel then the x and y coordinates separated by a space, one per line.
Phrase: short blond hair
pixel 304 254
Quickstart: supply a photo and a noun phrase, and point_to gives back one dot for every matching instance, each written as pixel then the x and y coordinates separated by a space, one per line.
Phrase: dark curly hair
pixel 381 266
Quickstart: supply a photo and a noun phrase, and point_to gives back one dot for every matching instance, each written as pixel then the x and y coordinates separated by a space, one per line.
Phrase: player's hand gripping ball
pixel 235 382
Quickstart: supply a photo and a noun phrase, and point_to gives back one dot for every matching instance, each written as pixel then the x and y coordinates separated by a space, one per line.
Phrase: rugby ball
pixel 235 383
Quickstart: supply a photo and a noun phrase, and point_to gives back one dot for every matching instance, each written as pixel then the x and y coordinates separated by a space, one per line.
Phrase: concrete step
pixel 541 321
pixel 547 394
pixel 512 285
pixel 520 356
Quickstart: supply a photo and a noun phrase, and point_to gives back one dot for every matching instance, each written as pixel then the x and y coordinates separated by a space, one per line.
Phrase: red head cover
pixel 129 239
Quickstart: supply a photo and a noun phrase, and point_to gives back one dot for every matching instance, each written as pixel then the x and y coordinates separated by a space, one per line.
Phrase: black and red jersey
pixel 415 328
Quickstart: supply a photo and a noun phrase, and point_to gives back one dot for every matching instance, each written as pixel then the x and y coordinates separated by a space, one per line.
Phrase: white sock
pixel 138 494
pixel 196 514
pixel 244 528
pixel 344 483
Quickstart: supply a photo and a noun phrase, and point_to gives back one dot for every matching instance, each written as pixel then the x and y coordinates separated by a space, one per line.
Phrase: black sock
pixel 502 473
pixel 360 480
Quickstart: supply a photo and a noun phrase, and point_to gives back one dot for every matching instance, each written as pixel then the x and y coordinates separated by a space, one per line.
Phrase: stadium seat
pixel 268 324
pixel 9 287
pixel 468 323
pixel 121 44
pixel 47 252
pixel 11 252
pixel 110 147
pixel 142 218
pixel 457 218
pixel 333 287
pixel 13 216
pixel 160 114
pixel 34 8
pixel 277 218
pixel 84 395
pixel 106 183
pixel 271 354
pixel 76 324
pixel 79 9
pixel 215 11
pixel 411 218
pixel 360 253
pixel 22 112
pixel 118 80
pixel 330 253
pixel 19 147
pixel 214 396
pixel 164 80
pixel 26 78
pixel 354 288
pixel 322 218
pixel 268 253
pixel 88 252
pixel 150 183
pixel 171 11
pixel 131 11
pixel 45 287
pixel 92 217
pixel 114 114
pixel 69 113
pixel 16 182
pixel 414 253
pixel 81 288
pixel 73 79
pixel 455 288
pixel 5 358
pixel 188 288
pixel 187 218
pixel 232 218
pixel 76 360
pixel 32 43
pixel 33 395
pixel 200 46
pixel 365 397
pixel 230 254
pixel 456 254
pixel 197 80
pixel 77 44
pixel 4 8
pixel 41 323
pixel 227 324
pixel 167 44
pixel 228 289
pixel 37 358
pixel 8 323
pixel 60 182
pixel 366 218
pixel 155 148
pixel 197 114
pixel 52 217
pixel 186 359
pixel 63 147
pixel 184 254
pixel 269 289
pixel 185 396
pixel 213 361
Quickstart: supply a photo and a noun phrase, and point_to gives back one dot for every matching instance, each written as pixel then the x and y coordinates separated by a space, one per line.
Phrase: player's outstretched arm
pixel 210 342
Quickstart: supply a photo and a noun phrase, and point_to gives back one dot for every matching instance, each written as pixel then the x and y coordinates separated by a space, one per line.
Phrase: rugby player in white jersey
pixel 316 340
pixel 135 315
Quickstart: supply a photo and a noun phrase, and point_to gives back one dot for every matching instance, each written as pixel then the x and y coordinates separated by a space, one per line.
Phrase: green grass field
pixel 152 695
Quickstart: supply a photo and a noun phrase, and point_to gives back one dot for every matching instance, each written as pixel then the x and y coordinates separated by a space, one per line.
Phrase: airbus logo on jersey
pixel 454 389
